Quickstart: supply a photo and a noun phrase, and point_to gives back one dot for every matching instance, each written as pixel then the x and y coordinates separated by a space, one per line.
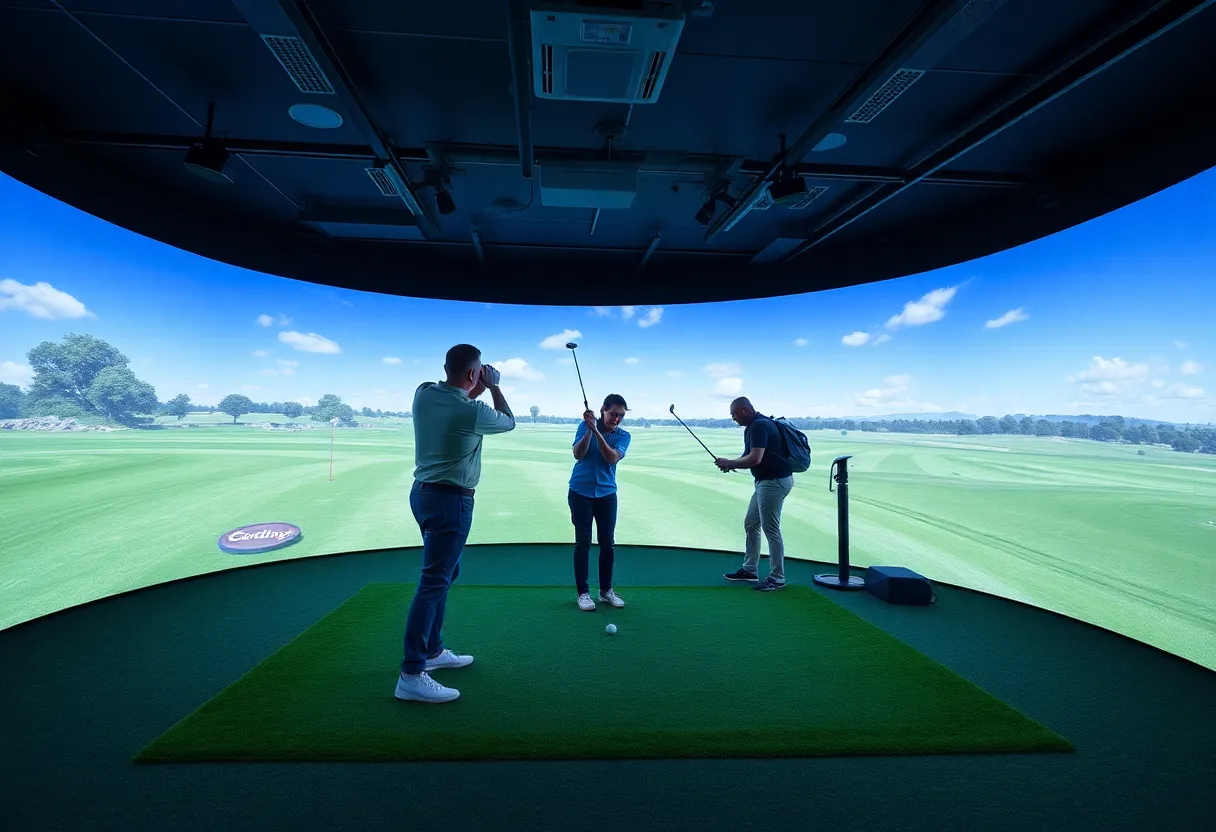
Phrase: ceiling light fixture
pixel 316 116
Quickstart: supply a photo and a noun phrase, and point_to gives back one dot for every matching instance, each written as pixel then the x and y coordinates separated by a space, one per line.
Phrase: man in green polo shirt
pixel 449 426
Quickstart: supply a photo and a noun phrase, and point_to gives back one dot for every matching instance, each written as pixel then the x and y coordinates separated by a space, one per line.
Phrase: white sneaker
pixel 612 598
pixel 422 688
pixel 448 659
pixel 585 603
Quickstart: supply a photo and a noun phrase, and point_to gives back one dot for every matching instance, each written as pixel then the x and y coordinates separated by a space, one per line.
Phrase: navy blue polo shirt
pixel 764 433
pixel 592 475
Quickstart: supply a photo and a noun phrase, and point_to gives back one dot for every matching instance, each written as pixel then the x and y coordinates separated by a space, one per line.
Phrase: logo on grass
pixel 260 537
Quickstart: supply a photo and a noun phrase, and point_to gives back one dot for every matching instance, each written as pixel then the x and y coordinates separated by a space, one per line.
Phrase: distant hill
pixel 951 415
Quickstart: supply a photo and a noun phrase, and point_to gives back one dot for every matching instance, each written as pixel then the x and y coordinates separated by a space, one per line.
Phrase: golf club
pixel 570 345
pixel 672 410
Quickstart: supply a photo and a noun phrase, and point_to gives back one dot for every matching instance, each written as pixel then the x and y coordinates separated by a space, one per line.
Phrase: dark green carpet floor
pixel 82 692
pixel 690 672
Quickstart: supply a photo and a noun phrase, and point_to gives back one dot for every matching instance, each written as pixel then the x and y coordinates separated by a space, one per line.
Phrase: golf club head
pixel 672 410
pixel 570 345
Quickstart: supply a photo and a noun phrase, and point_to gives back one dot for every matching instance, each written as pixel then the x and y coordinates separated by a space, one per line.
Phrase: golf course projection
pixel 1036 425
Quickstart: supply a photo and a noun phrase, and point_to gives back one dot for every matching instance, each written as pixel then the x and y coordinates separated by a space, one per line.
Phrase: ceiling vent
pixel 885 95
pixel 382 181
pixel 812 194
pixel 590 54
pixel 300 64
pixel 588 185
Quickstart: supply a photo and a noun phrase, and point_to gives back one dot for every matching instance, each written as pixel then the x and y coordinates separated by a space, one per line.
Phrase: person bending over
pixel 449 426
pixel 763 455
pixel 599 444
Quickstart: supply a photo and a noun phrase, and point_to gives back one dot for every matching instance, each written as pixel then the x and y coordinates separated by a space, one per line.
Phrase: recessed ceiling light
pixel 830 142
pixel 314 115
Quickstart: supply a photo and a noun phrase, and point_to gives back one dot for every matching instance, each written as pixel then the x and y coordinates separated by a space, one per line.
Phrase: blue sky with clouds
pixel 1114 316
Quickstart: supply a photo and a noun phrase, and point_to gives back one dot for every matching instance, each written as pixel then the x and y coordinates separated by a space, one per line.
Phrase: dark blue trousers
pixel 444 518
pixel 601 510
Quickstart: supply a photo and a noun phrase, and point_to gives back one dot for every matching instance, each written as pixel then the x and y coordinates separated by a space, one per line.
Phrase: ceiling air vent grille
pixel 382 181
pixel 651 81
pixel 812 193
pixel 895 86
pixel 299 63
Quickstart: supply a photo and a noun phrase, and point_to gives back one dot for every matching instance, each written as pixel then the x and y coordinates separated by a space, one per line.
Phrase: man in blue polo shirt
pixel 599 444
pixel 764 455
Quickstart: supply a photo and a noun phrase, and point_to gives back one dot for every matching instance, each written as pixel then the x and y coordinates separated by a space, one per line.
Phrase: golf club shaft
pixel 694 436
pixel 580 380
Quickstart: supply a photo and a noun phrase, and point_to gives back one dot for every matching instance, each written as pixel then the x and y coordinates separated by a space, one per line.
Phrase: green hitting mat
pixel 690 672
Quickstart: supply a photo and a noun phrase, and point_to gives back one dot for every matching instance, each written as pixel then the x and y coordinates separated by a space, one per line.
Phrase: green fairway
pixel 680 678
pixel 1087 529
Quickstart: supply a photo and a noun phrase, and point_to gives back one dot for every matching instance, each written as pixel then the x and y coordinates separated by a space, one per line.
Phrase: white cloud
pixel 42 300
pixel 1101 388
pixel 602 311
pixel 265 320
pixel 517 368
pixel 653 316
pixel 284 320
pixel 312 342
pixel 1191 368
pixel 728 387
pixel 287 363
pixel 1115 368
pixel 882 339
pixel 674 374
pixel 627 312
pixel 558 341
pixel 1158 383
pixel 260 354
pixel 722 369
pixel 931 307
pixel 800 342
pixel 856 339
pixel 1180 344
pixel 1183 391
pixel 304 400
pixel 202 387
pixel 1010 317
pixel 567 360
pixel 888 396
pixel 391 360
pixel 631 360
pixel 11 372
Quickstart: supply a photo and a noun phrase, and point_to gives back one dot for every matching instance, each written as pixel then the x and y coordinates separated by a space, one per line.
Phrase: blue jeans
pixel 602 510
pixel 444 518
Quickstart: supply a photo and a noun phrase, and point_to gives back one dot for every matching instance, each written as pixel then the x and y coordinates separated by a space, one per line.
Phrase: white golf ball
pixel 611 628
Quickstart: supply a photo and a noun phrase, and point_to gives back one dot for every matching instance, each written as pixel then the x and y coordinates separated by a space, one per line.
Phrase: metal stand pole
pixel 842 579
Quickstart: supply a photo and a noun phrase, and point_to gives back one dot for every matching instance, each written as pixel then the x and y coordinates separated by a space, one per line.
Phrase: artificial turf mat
pixel 691 672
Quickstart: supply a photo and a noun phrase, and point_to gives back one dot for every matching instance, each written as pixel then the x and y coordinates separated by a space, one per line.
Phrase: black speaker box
pixel 897 585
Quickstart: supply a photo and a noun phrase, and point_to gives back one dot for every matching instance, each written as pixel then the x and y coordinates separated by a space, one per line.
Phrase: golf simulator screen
pixel 1036 425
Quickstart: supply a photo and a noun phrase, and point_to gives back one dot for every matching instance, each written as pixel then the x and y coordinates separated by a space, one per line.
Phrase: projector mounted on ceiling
pixel 599 54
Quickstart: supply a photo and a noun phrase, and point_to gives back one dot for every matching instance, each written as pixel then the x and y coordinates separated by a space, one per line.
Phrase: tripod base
pixel 834 582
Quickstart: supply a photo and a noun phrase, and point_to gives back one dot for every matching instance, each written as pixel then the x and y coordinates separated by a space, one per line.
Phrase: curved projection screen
pixel 1035 425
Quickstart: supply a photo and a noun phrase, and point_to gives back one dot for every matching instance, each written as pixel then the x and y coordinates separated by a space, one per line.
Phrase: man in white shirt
pixel 449 425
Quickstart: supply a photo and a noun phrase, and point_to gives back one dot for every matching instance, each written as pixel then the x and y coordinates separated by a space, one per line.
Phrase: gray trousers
pixel 764 514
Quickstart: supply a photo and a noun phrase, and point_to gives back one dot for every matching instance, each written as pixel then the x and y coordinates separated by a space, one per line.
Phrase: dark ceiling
pixel 469 165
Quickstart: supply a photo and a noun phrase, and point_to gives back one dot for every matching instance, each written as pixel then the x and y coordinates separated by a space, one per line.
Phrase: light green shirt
pixel 448 429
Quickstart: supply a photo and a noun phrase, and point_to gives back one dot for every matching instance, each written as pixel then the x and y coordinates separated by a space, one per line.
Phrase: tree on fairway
pixel 987 425
pixel 116 393
pixel 332 407
pixel 292 409
pixel 236 406
pixel 1008 425
pixel 64 377
pixel 535 411
pixel 178 406
pixel 10 401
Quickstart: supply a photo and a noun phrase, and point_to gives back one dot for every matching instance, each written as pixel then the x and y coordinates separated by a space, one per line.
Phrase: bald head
pixel 741 411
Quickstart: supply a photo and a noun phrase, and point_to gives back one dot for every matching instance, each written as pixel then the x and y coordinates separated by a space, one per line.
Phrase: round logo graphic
pixel 258 538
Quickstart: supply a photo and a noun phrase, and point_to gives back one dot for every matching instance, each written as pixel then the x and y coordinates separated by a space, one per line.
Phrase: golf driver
pixel 672 410
pixel 570 345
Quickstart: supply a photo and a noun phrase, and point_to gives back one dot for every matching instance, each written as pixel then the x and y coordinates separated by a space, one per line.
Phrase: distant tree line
pixel 84 377
pixel 1187 439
